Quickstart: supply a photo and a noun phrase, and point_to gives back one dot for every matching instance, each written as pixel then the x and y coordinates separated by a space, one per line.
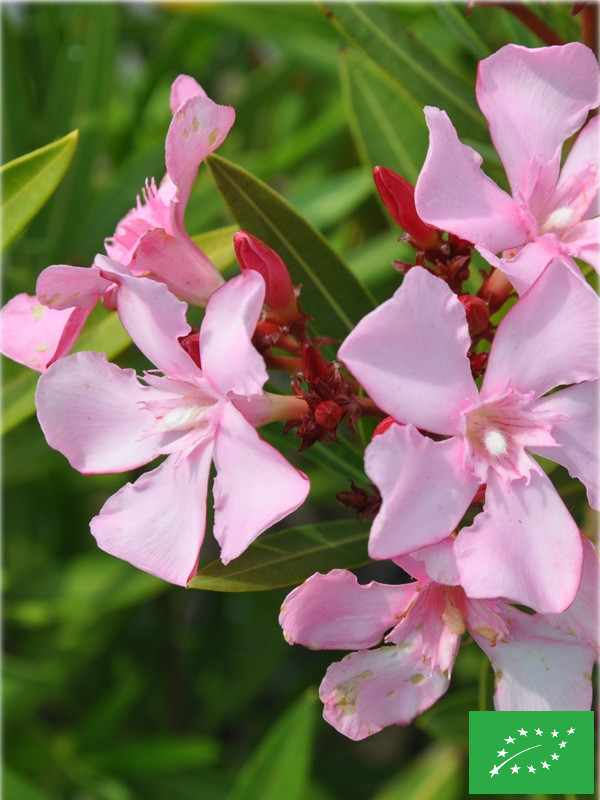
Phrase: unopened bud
pixel 191 345
pixel 328 414
pixel 478 313
pixel 314 366
pixel 280 296
pixel 399 198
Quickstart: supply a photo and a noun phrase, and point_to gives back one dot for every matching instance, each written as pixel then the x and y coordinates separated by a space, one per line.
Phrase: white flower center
pixel 558 220
pixel 185 417
pixel 495 442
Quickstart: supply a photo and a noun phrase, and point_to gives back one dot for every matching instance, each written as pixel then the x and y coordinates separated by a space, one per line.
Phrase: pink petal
pixel 255 486
pixel 581 618
pixel 525 546
pixel 197 129
pixel 35 335
pixel 454 194
pixel 548 339
pixel 371 689
pixel 582 241
pixel 410 354
pixel 539 669
pixel 524 265
pixel 91 411
pixel 424 488
pixel 62 286
pixel 534 99
pixel 581 164
pixel 182 89
pixel 335 612
pixel 157 523
pixel 178 263
pixel 229 359
pixel 577 434
pixel 436 562
pixel 152 316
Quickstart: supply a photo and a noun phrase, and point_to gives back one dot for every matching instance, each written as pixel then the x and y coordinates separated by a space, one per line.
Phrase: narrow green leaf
pixel 218 246
pixel 160 755
pixel 378 32
pixel 436 774
pixel 106 336
pixel 454 18
pixel 331 294
pixel 18 788
pixel 28 181
pixel 387 124
pixel 280 766
pixel 288 557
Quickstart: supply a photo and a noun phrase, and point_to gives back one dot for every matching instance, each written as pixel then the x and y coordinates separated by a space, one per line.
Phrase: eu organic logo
pixel 523 752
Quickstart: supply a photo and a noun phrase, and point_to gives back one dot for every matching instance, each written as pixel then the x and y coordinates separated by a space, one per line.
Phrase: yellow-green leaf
pixel 28 181
pixel 218 246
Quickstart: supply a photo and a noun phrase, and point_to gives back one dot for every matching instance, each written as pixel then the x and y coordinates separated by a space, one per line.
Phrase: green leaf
pixel 436 774
pixel 15 787
pixel 280 766
pixel 379 33
pixel 28 181
pixel 454 18
pixel 331 294
pixel 18 395
pixel 448 719
pixel 159 755
pixel 288 557
pixel 218 246
pixel 388 125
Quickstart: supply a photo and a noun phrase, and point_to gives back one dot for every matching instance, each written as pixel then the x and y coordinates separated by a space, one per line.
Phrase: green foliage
pixel 28 181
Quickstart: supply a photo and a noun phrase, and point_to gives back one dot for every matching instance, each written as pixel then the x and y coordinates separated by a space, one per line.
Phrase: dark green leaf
pixel 331 294
pixel 435 775
pixel 288 557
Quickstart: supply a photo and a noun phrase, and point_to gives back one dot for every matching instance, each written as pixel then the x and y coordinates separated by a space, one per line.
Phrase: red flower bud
pixel 328 414
pixel 191 345
pixel 280 296
pixel 384 425
pixel 478 313
pixel 399 198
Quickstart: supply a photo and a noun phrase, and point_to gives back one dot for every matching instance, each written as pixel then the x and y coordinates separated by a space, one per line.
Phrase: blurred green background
pixel 118 686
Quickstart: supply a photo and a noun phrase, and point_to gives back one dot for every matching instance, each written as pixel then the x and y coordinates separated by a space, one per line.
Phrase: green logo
pixel 525 752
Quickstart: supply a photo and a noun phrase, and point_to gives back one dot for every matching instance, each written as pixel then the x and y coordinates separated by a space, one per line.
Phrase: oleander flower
pixel 151 241
pixel 533 100
pixel 410 354
pixel 106 419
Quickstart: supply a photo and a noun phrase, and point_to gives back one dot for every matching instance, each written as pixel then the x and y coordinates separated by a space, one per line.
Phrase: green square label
pixel 531 752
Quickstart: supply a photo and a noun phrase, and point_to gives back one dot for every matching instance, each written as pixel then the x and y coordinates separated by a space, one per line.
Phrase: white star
pixel 531 768
pixel 538 732
pixel 554 733
pixel 572 730
pixel 554 757
pixel 562 744
pixel 545 765
pixel 501 753
pixel 494 771
pixel 514 769
pixel 510 740
pixel 522 732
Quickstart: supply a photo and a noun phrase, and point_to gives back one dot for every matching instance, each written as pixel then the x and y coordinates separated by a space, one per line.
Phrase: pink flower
pixel 538 664
pixel 533 100
pixel 150 240
pixel 105 419
pixel 410 354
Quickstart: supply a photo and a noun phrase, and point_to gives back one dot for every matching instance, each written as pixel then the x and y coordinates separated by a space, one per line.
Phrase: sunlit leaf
pixel 280 765
pixel 434 775
pixel 288 557
pixel 331 294
pixel 28 181
pixel 218 246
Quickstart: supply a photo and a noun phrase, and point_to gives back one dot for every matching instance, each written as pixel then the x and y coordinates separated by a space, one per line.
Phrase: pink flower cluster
pixel 473 411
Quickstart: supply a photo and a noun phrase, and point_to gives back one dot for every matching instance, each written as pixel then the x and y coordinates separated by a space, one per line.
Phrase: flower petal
pixel 229 359
pixel 424 488
pixel 335 612
pixel 577 434
pixel 255 485
pixel 549 338
pixel 152 316
pixel 158 522
pixel 525 546
pixel 91 411
pixel 370 689
pixel 534 99
pixel 62 286
pixel 178 263
pixel 182 89
pixel 454 194
pixel 410 354
pixel 539 668
pixel 35 335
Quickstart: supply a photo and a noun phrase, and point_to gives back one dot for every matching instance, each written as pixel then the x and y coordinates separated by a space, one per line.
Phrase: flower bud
pixel 478 313
pixel 383 426
pixel 399 198
pixel 328 414
pixel 280 296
